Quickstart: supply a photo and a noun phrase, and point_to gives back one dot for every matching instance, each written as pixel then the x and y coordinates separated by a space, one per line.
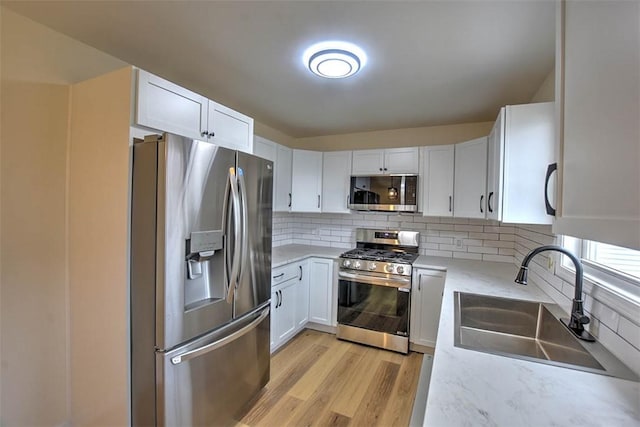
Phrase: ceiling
pixel 429 63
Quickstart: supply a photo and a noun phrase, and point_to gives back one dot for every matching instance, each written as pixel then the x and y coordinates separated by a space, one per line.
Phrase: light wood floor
pixel 321 381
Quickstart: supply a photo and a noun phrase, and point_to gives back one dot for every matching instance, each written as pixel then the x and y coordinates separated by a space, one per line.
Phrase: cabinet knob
pixel 212 134
pixel 385 168
pixel 204 133
pixel 380 169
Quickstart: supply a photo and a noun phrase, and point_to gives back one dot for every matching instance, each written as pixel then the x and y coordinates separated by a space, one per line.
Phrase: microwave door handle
pixel 402 190
pixel 235 265
pixel 176 360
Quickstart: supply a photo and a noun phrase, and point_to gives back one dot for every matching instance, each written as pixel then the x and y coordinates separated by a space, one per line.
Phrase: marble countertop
pixel 282 255
pixel 470 388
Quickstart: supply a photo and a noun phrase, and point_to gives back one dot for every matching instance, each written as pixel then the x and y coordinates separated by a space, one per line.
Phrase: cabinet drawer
pixel 284 273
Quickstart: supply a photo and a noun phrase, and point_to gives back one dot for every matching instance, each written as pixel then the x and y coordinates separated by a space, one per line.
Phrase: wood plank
pixel 375 401
pixel 315 407
pixel 282 412
pixel 288 354
pixel 280 385
pixel 404 392
pixel 357 383
pixel 332 419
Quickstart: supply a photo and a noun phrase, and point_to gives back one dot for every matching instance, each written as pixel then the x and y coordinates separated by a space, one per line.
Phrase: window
pixel 613 267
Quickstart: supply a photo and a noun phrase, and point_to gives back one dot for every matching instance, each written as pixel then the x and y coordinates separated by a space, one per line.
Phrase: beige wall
pixel 272 134
pixel 546 91
pixel 98 241
pixel 34 294
pixel 433 135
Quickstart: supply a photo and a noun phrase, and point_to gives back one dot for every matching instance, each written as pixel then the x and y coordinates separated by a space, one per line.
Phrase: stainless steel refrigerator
pixel 200 281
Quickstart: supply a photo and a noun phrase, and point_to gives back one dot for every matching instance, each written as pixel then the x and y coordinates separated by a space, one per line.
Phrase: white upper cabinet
pixel 170 108
pixel 598 77
pixel 264 148
pixel 470 182
pixel 229 128
pixel 336 178
pixel 521 146
pixel 282 178
pixel 389 161
pixel 167 107
pixel 437 180
pixel 306 181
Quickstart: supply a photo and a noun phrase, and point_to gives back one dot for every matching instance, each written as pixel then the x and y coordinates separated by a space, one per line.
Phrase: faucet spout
pixel 578 319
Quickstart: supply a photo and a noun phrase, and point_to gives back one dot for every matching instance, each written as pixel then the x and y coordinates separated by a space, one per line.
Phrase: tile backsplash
pixel 476 239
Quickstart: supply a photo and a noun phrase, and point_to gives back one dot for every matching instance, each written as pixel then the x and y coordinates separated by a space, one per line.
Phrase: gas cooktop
pixel 380 255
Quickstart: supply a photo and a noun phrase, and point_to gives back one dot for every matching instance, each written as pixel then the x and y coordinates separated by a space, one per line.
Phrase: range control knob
pixel 388 268
pixel 372 266
pixel 357 265
pixel 400 269
pixel 346 263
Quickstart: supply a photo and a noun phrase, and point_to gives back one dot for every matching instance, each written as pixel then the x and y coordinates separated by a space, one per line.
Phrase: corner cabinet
pixel 336 179
pixel 426 301
pixel 389 161
pixel 597 81
pixel 306 181
pixel 167 107
pixel 281 158
pixel 321 291
pixel 470 179
pixel 437 180
pixel 521 145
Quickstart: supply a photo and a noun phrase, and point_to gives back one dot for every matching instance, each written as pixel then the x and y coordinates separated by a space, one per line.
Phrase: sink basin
pixel 528 330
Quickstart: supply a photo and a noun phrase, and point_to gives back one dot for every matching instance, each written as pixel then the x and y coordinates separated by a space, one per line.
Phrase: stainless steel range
pixel 374 288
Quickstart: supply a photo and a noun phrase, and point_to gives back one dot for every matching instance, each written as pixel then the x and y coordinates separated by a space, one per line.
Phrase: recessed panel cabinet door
pixel 368 162
pixel 167 107
pixel 469 200
pixel 320 290
pixel 230 128
pixel 282 178
pixel 306 181
pixel 336 178
pixel 437 180
pixel 401 160
pixel 426 300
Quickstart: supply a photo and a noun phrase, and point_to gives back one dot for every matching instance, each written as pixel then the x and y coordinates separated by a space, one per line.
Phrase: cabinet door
pixel 495 145
pixel 437 180
pixel 282 178
pixel 320 290
pixel 402 160
pixel 230 128
pixel 306 181
pixel 368 162
pixel 599 173
pixel 170 108
pixel 264 148
pixel 470 181
pixel 529 147
pixel 336 178
pixel 284 315
pixel 302 296
pixel 426 302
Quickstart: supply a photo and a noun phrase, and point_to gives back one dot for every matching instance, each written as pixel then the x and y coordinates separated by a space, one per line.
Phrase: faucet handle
pixel 580 318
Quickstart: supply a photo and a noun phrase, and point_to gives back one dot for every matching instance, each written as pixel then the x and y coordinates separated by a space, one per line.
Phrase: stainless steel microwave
pixel 392 193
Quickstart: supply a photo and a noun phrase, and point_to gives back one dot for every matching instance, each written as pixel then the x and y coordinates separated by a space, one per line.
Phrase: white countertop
pixel 470 388
pixel 281 255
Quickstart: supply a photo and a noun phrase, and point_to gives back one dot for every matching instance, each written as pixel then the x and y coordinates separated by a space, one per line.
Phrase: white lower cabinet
pixel 426 300
pixel 321 291
pixel 302 296
pixel 289 302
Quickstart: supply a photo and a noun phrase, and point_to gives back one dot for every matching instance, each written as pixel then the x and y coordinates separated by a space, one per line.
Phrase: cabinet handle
pixel 280 299
pixel 550 169
pixel 489 202
pixel 300 278
pixel 278 276
pixel 419 281
pixel 289 199
pixel 318 201
pixel 481 199
pixel 450 199
pixel 277 298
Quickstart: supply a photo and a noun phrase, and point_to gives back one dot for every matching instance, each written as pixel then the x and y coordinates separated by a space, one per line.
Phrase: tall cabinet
pixel 470 183
pixel 598 76
pixel 436 175
pixel 306 181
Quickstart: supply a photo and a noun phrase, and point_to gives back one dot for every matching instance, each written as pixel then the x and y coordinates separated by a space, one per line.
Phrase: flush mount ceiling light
pixel 334 60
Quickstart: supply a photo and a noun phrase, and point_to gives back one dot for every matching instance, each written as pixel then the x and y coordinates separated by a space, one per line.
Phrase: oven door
pixel 377 302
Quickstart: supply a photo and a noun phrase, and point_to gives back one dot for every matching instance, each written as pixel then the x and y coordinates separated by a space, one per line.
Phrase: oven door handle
pixel 397 282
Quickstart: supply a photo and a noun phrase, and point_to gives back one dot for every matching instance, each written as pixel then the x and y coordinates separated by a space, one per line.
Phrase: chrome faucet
pixel 578 319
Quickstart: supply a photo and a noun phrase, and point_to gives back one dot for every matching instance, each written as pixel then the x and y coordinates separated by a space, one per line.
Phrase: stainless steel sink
pixel 528 330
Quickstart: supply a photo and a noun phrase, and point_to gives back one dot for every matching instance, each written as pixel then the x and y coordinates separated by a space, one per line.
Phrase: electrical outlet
pixel 459 243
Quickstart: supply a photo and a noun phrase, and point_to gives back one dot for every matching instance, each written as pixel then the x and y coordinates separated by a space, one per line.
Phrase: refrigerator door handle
pixel 242 188
pixel 235 264
pixel 176 360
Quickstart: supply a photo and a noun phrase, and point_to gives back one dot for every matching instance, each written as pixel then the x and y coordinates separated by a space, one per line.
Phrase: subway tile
pixel 482 250
pixel 443 240
pixel 451 248
pixel 499 244
pixel 446 254
pixel 473 242
pixel 601 312
pixel 506 251
pixel 629 331
pixel 440 227
pixel 466 255
pixel 429 246
pixel 454 234
pixel 469 228
pixel 484 236
pixel 617 345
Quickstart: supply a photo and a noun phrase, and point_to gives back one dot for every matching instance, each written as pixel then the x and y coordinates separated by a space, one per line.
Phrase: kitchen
pixel 88 226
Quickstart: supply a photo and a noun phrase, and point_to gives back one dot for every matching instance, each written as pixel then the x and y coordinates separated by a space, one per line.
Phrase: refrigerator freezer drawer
pixel 208 382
